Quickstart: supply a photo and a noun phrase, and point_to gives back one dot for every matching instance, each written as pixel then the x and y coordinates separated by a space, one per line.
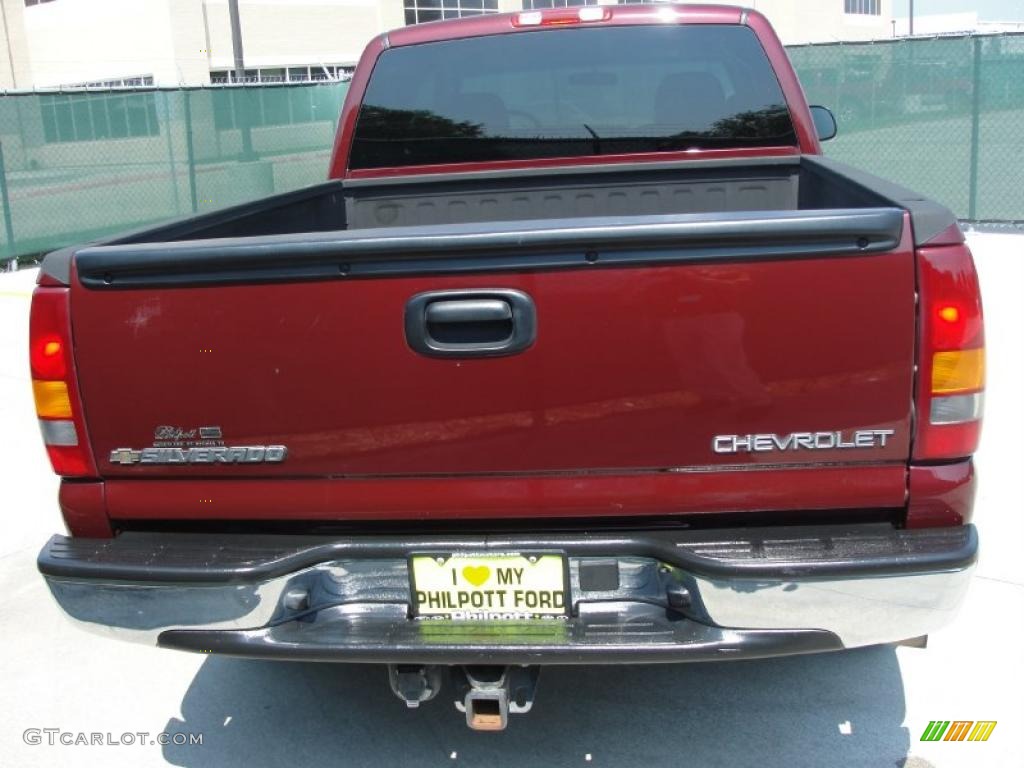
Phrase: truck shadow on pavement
pixel 843 708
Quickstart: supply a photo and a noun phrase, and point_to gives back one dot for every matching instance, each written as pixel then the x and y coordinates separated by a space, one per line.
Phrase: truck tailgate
pixel 675 356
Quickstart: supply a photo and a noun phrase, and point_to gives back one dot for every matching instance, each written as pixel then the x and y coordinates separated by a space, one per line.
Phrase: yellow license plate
pixel 506 586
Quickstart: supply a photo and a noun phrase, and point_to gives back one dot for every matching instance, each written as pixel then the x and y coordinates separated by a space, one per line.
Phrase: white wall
pixel 822 21
pixel 180 41
pixel 75 41
pixel 952 23
pixel 15 68
pixel 284 32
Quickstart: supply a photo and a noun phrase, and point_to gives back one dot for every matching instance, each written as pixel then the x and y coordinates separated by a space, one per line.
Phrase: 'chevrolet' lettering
pixel 802 441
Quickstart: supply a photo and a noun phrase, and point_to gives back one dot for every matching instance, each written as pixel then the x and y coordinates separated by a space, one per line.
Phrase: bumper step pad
pixel 627 633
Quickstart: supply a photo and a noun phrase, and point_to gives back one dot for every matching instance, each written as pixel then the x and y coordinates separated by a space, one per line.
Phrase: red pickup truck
pixel 584 354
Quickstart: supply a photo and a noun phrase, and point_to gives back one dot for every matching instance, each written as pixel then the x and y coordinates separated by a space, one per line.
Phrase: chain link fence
pixel 943 116
pixel 80 164
pixel 940 115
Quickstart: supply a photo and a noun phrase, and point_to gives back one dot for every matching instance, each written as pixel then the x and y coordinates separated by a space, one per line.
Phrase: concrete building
pixel 827 21
pixel 51 43
pixel 965 23
pixel 172 42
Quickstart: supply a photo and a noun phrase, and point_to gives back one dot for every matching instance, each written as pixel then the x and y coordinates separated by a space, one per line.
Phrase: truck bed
pixel 695 329
pixel 306 225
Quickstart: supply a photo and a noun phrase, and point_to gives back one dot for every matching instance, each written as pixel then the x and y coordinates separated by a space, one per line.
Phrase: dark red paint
pixel 525 496
pixel 633 368
pixel 941 495
pixel 84 507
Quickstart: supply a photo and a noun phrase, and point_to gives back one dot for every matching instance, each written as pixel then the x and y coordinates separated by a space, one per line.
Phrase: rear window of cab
pixel 570 92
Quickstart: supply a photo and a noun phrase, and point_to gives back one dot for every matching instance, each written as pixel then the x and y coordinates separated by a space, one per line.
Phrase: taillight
pixel 951 368
pixel 58 404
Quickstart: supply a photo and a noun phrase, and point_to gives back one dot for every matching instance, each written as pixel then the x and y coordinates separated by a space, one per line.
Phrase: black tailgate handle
pixel 470 322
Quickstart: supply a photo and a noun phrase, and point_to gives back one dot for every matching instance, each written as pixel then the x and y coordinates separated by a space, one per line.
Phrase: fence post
pixel 170 154
pixel 972 204
pixel 190 150
pixel 6 201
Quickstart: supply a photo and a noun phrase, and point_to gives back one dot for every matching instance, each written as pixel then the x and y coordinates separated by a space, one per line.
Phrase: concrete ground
pixel 866 707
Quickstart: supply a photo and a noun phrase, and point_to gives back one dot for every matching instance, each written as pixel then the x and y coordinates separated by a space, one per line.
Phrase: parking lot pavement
pixel 865 707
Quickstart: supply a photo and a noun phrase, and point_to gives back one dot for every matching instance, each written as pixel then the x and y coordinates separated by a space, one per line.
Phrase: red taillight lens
pixel 54 386
pixel 47 358
pixel 69 461
pixel 951 368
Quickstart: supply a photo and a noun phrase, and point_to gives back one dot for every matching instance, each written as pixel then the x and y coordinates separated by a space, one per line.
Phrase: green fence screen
pixel 78 165
pixel 943 116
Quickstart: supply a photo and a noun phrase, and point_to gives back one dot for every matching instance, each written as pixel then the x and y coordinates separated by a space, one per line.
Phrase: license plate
pixel 506 586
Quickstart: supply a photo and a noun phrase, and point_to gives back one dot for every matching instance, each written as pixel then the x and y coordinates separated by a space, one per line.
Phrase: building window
pixel 419 11
pixel 863 7
pixel 305 74
pixel 264 107
pixel 536 5
pixel 123 82
pixel 96 116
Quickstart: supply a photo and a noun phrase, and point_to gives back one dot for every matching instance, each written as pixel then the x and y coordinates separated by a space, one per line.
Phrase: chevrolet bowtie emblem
pixel 125 456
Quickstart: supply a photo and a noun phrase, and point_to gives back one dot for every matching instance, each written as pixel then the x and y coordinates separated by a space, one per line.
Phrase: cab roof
pixel 526 21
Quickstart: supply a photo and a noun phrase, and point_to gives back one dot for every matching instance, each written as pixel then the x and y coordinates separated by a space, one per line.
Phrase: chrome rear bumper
pixel 680 595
